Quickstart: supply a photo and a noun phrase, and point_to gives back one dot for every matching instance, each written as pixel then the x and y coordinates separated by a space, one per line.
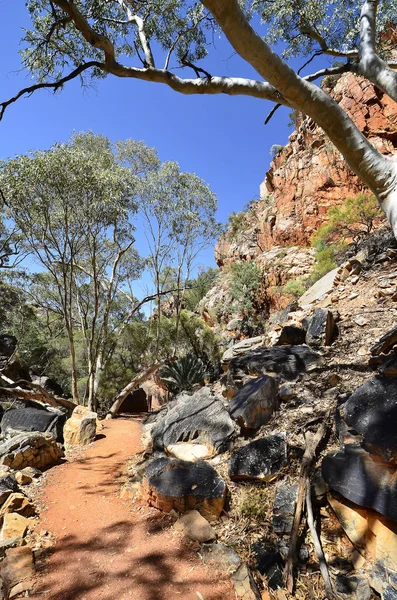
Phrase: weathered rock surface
pixel 286 361
pixel 284 508
pixel 269 563
pixel 254 404
pixel 80 429
pixel 39 450
pixel 244 584
pixel 353 587
pixel 14 527
pixel 386 343
pixel 372 534
pixel 241 348
pixel 188 452
pixel 319 289
pixel 8 485
pixel 34 419
pixel 18 503
pixel 195 527
pixel 183 486
pixel 363 479
pixel 220 556
pixel 372 412
pixel 261 459
pixel 291 335
pixel 200 417
pixel 321 328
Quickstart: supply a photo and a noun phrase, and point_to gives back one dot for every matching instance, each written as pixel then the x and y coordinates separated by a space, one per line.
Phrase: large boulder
pixel 363 479
pixel 200 417
pixel 372 412
pixel 254 404
pixel 321 328
pixel 260 460
pixel 291 335
pixel 38 450
pixel 241 348
pixel 184 486
pixel 286 361
pixel 34 419
pixel 80 429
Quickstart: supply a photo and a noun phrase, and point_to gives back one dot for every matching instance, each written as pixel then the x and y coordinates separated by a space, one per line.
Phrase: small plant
pixel 256 504
pixel 246 280
pixel 182 374
pixel 275 150
pixel 295 287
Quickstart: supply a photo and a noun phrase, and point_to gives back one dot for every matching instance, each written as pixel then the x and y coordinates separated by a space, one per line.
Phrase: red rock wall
pixel 309 175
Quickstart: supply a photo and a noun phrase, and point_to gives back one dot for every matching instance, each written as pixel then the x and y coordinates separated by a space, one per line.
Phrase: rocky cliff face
pixel 309 175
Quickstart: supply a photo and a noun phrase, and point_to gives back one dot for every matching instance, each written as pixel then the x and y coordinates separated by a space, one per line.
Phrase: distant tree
pixel 148 40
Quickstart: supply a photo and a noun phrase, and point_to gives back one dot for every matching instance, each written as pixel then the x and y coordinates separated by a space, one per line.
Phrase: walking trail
pixel 107 548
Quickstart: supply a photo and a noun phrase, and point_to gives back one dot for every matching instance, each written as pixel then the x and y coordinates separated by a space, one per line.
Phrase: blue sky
pixel 222 139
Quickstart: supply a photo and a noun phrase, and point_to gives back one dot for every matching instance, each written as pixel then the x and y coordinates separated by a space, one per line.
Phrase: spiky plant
pixel 183 373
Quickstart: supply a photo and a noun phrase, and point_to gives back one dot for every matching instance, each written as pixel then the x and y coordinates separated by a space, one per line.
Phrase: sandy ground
pixel 107 548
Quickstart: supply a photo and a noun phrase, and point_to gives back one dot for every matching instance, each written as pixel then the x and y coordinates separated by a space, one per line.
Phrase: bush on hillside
pixel 245 281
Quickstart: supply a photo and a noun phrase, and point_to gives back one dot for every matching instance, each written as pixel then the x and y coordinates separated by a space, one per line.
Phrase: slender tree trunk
pixel 75 392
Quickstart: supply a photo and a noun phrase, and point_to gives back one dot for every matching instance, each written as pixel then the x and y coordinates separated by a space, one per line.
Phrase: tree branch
pixel 50 85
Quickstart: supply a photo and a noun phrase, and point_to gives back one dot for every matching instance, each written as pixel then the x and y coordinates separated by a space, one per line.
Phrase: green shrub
pixel 235 224
pixel 295 287
pixel 245 281
pixel 325 262
pixel 275 150
pixel 182 374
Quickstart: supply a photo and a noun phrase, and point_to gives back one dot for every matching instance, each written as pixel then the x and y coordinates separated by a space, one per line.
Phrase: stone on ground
pixel 200 417
pixel 321 328
pixel 8 485
pixel 23 477
pixel 195 527
pixel 14 526
pixel 284 508
pixel 244 585
pixel 183 486
pixel 291 334
pixel 319 289
pixel 286 361
pixel 363 479
pixel 386 343
pixel 372 412
pixel 254 404
pixel 220 556
pixel 261 460
pixel 38 450
pixel 241 348
pixel 80 429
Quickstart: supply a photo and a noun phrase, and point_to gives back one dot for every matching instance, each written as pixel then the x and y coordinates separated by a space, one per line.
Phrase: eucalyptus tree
pixel 74 205
pixel 148 40
pixel 178 211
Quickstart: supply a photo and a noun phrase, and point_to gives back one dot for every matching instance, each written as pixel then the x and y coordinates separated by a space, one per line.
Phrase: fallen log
pixel 312 443
pixel 35 392
pixel 138 379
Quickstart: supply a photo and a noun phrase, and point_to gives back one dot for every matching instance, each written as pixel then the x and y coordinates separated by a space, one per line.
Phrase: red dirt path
pixel 108 549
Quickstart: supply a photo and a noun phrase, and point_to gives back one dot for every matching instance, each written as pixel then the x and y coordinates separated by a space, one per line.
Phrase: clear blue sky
pixel 222 139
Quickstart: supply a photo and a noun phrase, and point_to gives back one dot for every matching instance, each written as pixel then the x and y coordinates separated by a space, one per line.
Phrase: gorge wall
pixel 309 175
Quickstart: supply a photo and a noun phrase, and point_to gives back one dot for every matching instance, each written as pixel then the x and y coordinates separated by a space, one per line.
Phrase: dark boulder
pixel 321 328
pixel 200 417
pixel 254 404
pixel 385 343
pixel 8 486
pixel 363 479
pixel 284 508
pixel 261 459
pixel 183 486
pixel 281 316
pixel 34 419
pixel 286 361
pixel 291 334
pixel 269 563
pixel 372 412
pixel 49 384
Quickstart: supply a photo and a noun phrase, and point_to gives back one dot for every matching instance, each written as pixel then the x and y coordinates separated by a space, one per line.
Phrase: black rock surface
pixel 286 361
pixel 34 419
pixel 372 412
pixel 284 508
pixel 321 328
pixel 260 459
pixel 355 474
pixel 290 334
